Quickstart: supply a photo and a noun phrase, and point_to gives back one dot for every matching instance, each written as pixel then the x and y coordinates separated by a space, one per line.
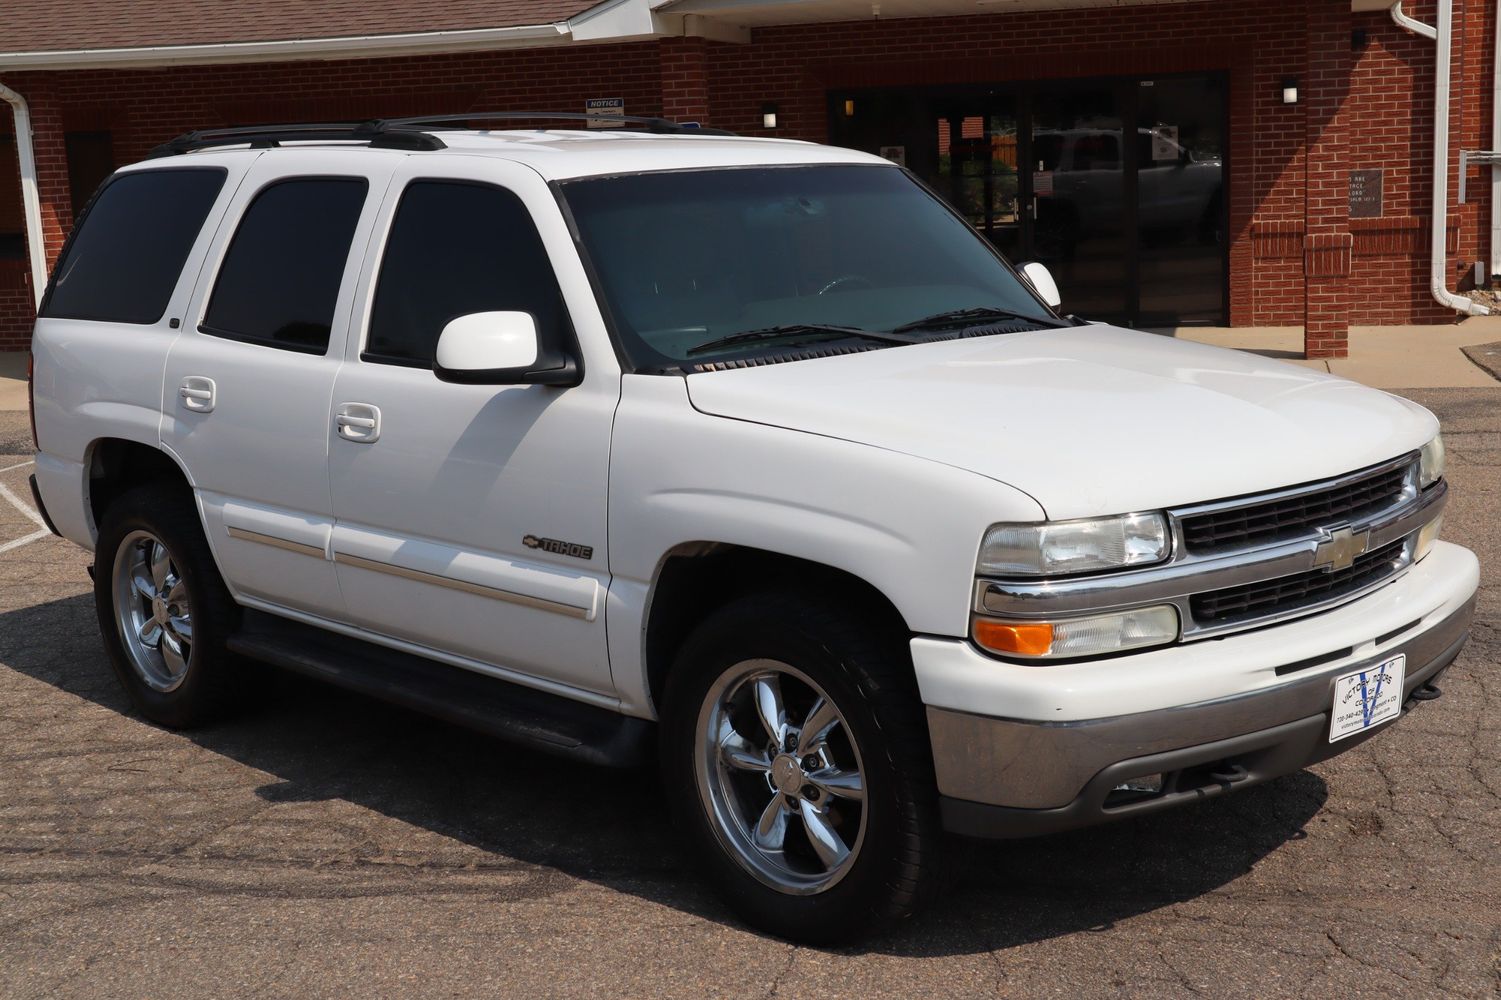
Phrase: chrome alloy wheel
pixel 780 776
pixel 152 611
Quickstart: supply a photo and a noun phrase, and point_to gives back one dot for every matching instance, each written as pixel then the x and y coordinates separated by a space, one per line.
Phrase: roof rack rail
pixel 665 126
pixel 401 133
pixel 267 136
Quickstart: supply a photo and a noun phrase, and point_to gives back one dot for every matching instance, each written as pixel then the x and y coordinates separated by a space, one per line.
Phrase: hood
pixel 1087 420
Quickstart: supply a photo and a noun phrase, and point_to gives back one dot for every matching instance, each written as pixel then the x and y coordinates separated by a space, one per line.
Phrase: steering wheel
pixel 845 279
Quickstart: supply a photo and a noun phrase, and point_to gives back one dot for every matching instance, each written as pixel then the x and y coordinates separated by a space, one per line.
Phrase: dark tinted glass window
pixel 686 258
pixel 91 159
pixel 123 262
pixel 455 249
pixel 280 278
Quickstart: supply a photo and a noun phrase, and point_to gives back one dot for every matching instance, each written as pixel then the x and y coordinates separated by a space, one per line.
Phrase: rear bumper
pixel 41 508
pixel 61 490
pixel 1009 777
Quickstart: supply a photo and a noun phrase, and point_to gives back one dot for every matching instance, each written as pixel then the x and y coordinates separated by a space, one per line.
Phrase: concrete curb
pixel 1486 357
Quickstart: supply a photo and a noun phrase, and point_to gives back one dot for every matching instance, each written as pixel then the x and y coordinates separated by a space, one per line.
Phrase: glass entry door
pixel 1080 215
pixel 979 167
pixel 1116 185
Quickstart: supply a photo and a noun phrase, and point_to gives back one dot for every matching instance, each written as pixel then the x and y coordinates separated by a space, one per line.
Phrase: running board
pixel 532 718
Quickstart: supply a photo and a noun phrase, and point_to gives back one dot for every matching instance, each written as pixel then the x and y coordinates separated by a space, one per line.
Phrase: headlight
pixel 1069 637
pixel 1060 547
pixel 1431 462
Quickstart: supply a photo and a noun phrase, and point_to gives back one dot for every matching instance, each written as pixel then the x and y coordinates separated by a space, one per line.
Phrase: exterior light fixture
pixel 1289 90
pixel 849 107
pixel 768 116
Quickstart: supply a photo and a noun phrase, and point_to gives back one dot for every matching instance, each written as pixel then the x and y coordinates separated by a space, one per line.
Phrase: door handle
pixel 197 393
pixel 358 422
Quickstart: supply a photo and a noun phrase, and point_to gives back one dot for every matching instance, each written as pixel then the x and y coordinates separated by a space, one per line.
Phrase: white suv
pixel 750 450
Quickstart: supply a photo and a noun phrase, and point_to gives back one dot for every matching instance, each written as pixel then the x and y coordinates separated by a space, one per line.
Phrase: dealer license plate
pixel 1367 698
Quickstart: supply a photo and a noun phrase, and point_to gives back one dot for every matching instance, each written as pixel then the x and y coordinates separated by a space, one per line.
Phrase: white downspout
pixel 1495 265
pixel 1416 27
pixel 1438 269
pixel 31 201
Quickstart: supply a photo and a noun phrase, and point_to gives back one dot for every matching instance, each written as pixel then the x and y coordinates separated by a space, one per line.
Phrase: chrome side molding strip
pixel 301 548
pixel 494 593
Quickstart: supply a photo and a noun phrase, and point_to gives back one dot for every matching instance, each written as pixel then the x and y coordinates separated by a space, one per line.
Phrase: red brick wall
pixel 1384 119
pixel 1386 116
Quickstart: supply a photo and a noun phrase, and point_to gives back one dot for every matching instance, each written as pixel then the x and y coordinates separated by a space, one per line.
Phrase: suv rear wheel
pixel 163 609
pixel 795 752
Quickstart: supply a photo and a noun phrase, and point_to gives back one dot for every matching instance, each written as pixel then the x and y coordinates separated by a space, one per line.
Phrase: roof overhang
pixel 346 47
pixel 608 21
pixel 761 13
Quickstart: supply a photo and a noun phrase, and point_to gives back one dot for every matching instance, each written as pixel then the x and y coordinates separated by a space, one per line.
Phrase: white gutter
pixel 1438 268
pixel 31 201
pixel 343 47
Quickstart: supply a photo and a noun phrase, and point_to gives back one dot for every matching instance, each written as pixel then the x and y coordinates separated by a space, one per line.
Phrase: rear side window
pixel 123 262
pixel 280 278
pixel 457 248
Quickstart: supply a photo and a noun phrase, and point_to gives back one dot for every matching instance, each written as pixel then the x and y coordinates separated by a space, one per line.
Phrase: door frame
pixel 981 99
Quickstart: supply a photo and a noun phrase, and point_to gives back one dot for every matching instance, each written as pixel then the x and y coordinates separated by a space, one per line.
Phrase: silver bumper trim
pixel 1033 765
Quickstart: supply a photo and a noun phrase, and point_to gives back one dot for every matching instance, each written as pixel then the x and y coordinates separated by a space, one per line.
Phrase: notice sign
pixel 1365 194
pixel 597 108
pixel 1165 143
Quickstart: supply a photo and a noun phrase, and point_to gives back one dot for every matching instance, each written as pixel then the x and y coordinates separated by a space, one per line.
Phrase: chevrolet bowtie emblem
pixel 1339 547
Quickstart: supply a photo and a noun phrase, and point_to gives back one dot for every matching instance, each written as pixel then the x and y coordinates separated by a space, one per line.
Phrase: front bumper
pixel 1008 776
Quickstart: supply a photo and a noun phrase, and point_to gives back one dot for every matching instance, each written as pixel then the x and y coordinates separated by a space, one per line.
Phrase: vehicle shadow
pixel 609 827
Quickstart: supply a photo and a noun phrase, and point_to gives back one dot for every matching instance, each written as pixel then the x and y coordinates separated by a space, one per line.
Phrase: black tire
pixel 866 671
pixel 211 684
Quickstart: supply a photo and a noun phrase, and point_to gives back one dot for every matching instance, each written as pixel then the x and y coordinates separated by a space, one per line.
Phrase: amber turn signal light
pixel 1017 638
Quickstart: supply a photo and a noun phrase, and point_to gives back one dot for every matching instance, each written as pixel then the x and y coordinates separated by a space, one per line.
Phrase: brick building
pixel 1241 162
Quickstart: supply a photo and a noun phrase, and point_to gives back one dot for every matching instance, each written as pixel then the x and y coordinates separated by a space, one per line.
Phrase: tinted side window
pixel 457 248
pixel 124 260
pixel 280 278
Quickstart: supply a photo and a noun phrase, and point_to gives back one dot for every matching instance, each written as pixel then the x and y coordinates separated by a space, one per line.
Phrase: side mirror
pixel 498 348
pixel 1041 280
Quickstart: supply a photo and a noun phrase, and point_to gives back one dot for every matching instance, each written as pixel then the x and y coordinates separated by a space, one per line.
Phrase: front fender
pixel 909 527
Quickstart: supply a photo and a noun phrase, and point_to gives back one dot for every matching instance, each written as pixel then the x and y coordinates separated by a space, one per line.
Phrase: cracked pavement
pixel 326 845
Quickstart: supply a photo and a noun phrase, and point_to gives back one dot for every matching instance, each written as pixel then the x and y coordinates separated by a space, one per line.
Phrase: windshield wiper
pixel 788 330
pixel 969 317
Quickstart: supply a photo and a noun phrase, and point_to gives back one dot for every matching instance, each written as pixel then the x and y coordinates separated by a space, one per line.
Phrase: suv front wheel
pixel 794 749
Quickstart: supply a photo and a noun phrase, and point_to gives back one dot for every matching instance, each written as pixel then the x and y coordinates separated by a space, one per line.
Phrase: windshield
pixel 686 260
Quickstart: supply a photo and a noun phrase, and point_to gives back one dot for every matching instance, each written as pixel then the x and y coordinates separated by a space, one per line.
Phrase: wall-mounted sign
pixel 1042 183
pixel 896 154
pixel 602 106
pixel 1165 143
pixel 1365 194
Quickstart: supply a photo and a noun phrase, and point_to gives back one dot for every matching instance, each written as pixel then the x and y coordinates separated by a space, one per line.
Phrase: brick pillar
pixel 685 79
pixel 1327 242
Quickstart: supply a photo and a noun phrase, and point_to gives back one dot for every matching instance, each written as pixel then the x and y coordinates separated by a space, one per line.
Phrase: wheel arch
pixel 116 465
pixel 693 579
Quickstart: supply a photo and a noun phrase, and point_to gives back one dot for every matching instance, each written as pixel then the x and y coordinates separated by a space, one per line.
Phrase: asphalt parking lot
pixel 326 845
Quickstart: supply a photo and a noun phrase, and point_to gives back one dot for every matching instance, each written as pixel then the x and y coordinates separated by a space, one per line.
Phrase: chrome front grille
pixel 1289 593
pixel 1262 522
pixel 1252 561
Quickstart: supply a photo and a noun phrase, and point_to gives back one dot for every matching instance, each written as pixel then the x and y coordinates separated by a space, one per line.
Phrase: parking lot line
pixel 35 536
pixel 19 465
pixel 20 505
